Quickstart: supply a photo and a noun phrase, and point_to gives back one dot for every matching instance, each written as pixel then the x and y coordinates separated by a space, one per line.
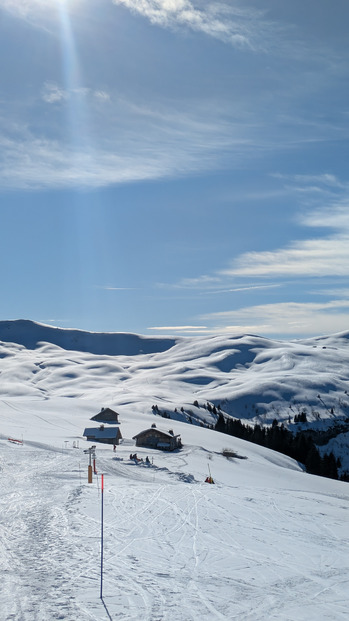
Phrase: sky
pixel 175 166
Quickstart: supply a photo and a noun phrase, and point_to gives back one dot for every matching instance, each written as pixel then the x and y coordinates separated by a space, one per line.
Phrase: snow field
pixel 267 541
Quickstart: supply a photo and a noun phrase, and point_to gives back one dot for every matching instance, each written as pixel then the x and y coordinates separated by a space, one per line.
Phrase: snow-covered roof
pixel 106 415
pixel 162 431
pixel 107 432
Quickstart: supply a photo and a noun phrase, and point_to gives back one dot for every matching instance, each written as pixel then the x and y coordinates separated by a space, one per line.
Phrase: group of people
pixel 138 459
pixel 134 457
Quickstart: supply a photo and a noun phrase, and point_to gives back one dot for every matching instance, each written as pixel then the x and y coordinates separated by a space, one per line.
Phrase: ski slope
pixel 267 541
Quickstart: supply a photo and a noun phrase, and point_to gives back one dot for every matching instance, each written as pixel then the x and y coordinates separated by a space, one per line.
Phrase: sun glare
pixel 72 80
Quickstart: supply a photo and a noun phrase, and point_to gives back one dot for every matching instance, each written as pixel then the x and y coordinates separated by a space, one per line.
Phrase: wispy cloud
pixel 313 188
pixel 326 179
pixel 130 145
pixel 29 8
pixel 336 216
pixel 314 257
pixel 101 95
pixel 287 318
pixel 335 292
pixel 214 285
pixel 118 288
pixel 321 256
pixel 53 93
pixel 312 263
pixel 235 24
pixel 181 329
pixel 41 163
pixel 201 282
pixel 22 7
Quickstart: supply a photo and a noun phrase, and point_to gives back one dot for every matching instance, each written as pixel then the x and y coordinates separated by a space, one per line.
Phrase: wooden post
pixel 89 476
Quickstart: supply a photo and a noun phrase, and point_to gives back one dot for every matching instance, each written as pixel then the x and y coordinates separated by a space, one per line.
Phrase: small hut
pixel 106 415
pixel 158 439
pixel 106 435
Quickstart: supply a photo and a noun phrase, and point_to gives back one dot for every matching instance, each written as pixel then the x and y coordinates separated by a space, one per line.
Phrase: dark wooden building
pixel 106 415
pixel 159 439
pixel 106 435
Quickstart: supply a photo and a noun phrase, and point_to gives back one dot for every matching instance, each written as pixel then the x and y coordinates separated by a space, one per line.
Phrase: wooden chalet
pixel 158 439
pixel 106 415
pixel 106 435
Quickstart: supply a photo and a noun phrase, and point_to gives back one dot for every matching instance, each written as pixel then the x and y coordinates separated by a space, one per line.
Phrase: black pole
pixel 102 488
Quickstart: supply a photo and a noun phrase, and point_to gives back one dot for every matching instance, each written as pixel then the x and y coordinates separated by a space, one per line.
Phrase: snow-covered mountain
pixel 249 377
pixel 267 541
pixel 254 378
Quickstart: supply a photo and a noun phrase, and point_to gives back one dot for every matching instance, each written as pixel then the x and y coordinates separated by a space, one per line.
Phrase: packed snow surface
pixel 266 541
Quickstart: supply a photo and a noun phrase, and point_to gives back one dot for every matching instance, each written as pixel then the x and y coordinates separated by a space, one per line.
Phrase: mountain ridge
pixel 30 333
pixel 249 377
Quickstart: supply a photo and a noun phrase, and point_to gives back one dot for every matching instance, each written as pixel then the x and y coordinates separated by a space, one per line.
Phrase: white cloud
pixel 42 14
pixel 325 184
pixel 27 8
pixel 42 163
pixel 133 144
pixel 334 292
pixel 101 95
pixel 37 13
pixel 231 23
pixel 287 318
pixel 321 256
pixel 214 285
pixel 118 288
pixel 325 258
pixel 325 178
pixel 335 217
pixel 52 93
pixel 188 329
pixel 21 7
pixel 314 257
pixel 202 282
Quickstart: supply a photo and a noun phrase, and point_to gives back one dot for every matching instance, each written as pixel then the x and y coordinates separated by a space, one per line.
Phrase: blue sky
pixel 175 166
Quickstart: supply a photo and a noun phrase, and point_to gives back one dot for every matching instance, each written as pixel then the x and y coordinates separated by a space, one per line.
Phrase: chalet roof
pixel 161 431
pixel 107 432
pixel 106 415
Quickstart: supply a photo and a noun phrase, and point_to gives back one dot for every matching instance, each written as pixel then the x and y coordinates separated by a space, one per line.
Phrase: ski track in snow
pixel 173 549
pixel 266 542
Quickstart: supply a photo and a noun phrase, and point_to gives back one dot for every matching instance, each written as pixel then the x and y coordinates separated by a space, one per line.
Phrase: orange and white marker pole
pixel 102 490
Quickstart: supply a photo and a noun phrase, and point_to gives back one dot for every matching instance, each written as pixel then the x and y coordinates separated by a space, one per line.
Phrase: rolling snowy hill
pixel 267 541
pixel 252 378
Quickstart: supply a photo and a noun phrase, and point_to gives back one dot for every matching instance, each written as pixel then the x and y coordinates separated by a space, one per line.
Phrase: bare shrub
pixel 229 453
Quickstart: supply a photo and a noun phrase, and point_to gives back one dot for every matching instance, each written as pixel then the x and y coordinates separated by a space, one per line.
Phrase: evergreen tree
pixel 313 462
pixel 329 466
pixel 220 424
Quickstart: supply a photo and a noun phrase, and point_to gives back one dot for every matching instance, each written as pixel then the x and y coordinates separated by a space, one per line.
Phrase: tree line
pixel 299 446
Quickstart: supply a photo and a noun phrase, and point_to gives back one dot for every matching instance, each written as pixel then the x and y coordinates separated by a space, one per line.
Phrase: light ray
pixel 76 93
pixel 78 140
pixel 70 62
